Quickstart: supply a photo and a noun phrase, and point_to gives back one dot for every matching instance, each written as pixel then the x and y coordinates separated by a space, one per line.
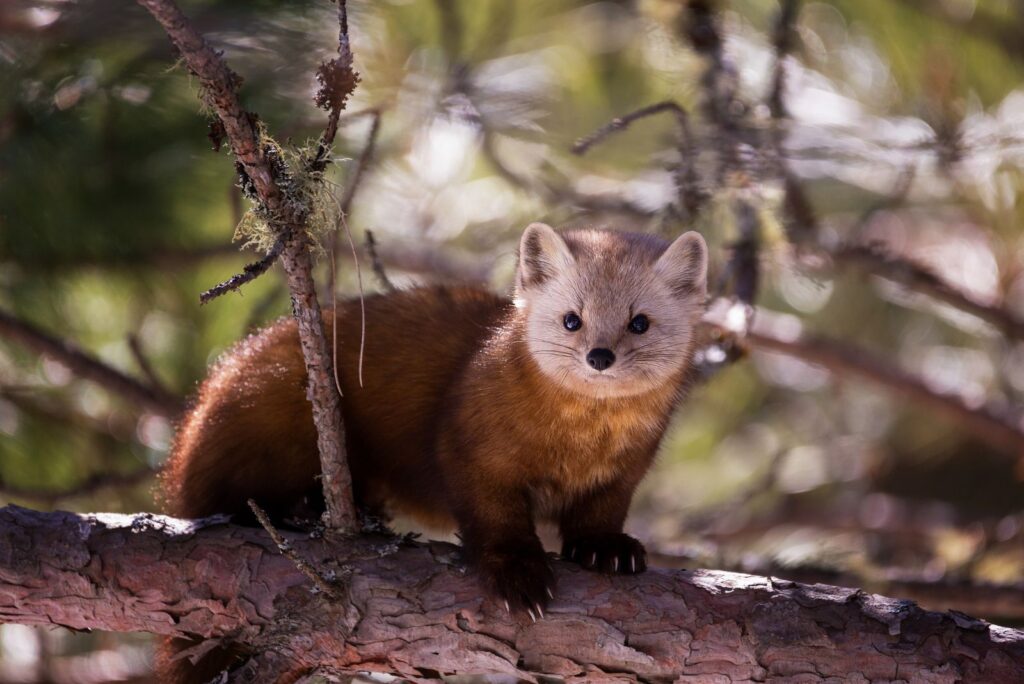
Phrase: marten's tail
pixel 174 668
pixel 249 434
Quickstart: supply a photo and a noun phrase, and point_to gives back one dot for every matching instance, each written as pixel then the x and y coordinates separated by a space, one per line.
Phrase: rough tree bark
pixel 411 609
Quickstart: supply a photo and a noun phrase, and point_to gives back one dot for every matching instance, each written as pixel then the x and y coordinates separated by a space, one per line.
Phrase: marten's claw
pixel 613 552
pixel 520 577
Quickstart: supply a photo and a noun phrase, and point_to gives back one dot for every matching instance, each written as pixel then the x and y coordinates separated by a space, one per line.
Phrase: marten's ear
pixel 542 255
pixel 684 265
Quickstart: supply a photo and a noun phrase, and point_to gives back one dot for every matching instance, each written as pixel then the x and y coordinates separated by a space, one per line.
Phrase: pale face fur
pixel 607 278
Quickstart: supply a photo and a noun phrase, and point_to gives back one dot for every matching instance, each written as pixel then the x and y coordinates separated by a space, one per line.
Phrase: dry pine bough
pixel 411 609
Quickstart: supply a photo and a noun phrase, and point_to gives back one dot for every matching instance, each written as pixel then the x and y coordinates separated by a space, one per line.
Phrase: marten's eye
pixel 639 324
pixel 572 322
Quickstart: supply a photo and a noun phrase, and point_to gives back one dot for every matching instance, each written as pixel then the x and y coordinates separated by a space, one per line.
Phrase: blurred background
pixel 856 167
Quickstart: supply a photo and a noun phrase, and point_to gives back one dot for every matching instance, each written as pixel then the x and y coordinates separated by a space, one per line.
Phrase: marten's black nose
pixel 600 359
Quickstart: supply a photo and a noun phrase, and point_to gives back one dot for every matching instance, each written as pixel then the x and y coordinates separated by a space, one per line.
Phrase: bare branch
pixel 285 548
pixel 803 226
pixel 142 361
pixel 248 274
pixel 378 267
pixel 560 195
pixel 719 84
pixel 621 123
pixel 920 278
pixel 994 426
pixel 354 180
pixel 362 163
pixel 782 40
pixel 218 89
pixel 88 367
pixel 261 168
pixel 691 197
pixel 412 609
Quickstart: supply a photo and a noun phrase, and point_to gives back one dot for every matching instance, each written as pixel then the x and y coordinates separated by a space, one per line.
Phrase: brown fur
pixel 455 424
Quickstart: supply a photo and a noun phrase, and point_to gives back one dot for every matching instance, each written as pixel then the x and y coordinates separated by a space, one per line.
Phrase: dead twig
pixel 621 123
pixel 248 274
pixel 329 590
pixel 363 162
pixel 86 366
pixel 142 361
pixel 354 181
pixel 690 196
pixel 378 267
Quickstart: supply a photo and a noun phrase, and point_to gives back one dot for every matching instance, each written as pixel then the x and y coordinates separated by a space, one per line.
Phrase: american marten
pixel 475 412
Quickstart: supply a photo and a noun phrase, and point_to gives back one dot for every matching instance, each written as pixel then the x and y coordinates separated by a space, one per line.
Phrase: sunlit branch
pixel 994 426
pixel 919 278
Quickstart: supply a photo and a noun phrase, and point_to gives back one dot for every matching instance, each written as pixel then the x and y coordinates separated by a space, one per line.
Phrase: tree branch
pixel 248 274
pixel 261 167
pixel 919 278
pixel 689 193
pixel 378 267
pixel 1005 601
pixel 996 427
pixel 88 367
pixel 621 123
pixel 412 610
pixel 362 163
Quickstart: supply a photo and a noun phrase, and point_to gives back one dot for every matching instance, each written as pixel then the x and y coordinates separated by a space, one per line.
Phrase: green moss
pixel 308 197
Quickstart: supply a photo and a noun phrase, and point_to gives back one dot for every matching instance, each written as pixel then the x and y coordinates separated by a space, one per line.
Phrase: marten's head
pixel 610 314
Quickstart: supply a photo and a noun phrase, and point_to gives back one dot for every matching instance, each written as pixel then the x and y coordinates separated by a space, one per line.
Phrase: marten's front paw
pixel 519 575
pixel 610 552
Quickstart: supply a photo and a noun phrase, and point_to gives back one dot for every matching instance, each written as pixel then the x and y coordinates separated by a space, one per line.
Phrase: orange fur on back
pixel 251 433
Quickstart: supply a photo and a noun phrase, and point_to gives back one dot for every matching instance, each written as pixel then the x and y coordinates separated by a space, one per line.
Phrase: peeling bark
pixel 412 610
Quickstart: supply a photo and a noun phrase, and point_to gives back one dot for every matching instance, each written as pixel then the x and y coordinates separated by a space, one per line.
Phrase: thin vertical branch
pixel 261 169
pixel 378 267
pixel 723 110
